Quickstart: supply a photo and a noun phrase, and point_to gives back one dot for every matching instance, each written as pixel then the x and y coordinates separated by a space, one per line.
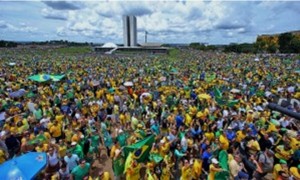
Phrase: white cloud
pixel 54 14
pixel 22 27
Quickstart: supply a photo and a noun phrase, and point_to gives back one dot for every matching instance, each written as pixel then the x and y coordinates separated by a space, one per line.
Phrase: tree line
pixel 282 43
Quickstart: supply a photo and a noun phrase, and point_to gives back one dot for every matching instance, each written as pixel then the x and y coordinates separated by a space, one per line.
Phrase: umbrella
pixel 204 96
pixel 128 83
pixel 235 90
pixel 24 167
pixel 17 93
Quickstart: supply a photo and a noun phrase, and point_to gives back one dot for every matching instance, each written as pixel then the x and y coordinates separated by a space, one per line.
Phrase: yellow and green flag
pixel 141 149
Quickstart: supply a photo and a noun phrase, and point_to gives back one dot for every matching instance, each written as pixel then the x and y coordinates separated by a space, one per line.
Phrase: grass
pixel 173 54
pixel 73 50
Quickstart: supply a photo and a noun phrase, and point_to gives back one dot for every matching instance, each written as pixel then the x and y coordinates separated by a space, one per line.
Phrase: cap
pixel 282 161
pixel 215 161
pixel 73 143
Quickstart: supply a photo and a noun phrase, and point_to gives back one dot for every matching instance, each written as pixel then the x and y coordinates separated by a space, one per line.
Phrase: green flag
pixel 232 103
pixel 140 149
pixel 210 77
pixel 223 161
pixel 39 138
pixel 155 157
pixel 122 139
pixel 119 165
pixel 217 92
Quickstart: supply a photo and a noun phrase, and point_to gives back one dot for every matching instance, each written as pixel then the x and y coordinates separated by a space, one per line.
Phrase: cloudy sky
pixel 213 22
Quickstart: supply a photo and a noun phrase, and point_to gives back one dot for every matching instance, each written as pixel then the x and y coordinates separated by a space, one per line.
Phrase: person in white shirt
pixel 53 160
pixel 71 160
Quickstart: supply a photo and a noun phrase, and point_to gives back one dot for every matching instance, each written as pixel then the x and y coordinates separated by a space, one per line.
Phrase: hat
pixel 282 161
pixel 139 125
pixel 215 161
pixel 73 143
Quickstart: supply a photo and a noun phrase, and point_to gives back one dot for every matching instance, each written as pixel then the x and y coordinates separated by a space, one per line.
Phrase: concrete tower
pixel 129 31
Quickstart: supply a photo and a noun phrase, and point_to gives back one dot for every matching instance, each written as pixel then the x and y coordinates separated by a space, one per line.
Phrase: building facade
pixel 129 31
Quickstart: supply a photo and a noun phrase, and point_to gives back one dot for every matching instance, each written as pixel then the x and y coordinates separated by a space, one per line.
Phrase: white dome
pixel 109 45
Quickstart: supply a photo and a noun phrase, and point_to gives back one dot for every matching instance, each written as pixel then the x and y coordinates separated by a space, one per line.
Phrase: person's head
pixel 69 154
pixel 237 158
pixel 286 146
pixel 82 163
pixel 51 151
pixel 208 149
pixel 63 167
pixel 215 162
pixel 283 163
pixel 283 175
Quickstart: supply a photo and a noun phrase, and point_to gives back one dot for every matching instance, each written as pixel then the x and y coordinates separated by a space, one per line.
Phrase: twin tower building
pixel 130 31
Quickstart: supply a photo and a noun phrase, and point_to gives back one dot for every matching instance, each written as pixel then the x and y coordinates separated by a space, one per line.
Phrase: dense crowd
pixel 206 110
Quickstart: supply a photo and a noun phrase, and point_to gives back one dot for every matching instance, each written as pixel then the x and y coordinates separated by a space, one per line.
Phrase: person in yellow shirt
pixel 295 142
pixel 62 150
pixel 197 169
pixel 59 118
pixel 2 156
pixel 166 172
pixel 114 149
pixel 240 135
pixel 104 176
pixel 224 142
pixel 295 172
pixel 55 131
pixel 283 152
pixel 282 166
pixel 213 169
pixel 133 172
pixel 186 171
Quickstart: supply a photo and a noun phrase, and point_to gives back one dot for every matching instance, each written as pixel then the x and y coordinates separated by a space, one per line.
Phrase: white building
pixel 130 31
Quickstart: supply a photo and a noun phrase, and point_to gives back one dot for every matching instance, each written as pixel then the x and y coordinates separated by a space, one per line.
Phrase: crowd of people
pixel 207 111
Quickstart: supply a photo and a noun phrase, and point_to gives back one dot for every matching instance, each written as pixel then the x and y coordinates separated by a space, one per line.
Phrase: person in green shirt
pixel 77 149
pixel 81 171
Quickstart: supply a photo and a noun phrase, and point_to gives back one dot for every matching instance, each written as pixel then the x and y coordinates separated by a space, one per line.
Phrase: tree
pixel 295 45
pixel 284 41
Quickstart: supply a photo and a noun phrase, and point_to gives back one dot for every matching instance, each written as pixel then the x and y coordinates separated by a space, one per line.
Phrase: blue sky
pixel 214 22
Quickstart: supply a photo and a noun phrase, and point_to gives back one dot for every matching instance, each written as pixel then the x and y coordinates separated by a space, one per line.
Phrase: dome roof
pixel 109 45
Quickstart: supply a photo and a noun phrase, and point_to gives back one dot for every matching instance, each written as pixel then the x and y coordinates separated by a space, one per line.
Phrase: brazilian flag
pixel 37 139
pixel 45 77
pixel 141 149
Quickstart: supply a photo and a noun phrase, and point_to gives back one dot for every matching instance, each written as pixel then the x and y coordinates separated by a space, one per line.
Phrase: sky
pixel 213 22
